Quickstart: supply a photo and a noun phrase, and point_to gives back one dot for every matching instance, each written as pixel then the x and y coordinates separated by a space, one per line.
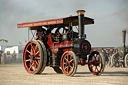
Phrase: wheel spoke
pixel 71 67
pixel 95 56
pixel 28 60
pixel 97 69
pixel 28 51
pixel 99 66
pixel 92 66
pixel 32 63
pixel 29 56
pixel 37 58
pixel 32 49
pixel 66 59
pixel 64 63
pixel 37 53
pixel 67 68
pixel 71 60
pixel 30 67
pixel 37 63
pixel 36 48
pixel 35 66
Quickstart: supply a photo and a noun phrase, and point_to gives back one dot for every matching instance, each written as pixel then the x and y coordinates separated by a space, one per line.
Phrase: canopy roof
pixel 56 22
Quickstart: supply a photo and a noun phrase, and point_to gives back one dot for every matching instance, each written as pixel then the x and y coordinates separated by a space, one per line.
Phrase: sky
pixel 110 18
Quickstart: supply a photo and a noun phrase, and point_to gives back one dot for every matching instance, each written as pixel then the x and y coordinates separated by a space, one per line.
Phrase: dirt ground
pixel 15 74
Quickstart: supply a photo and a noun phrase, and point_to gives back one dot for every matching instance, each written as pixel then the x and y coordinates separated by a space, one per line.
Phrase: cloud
pixel 122 12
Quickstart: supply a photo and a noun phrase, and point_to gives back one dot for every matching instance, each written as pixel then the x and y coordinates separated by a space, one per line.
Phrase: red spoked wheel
pixel 69 63
pixel 33 57
pixel 96 63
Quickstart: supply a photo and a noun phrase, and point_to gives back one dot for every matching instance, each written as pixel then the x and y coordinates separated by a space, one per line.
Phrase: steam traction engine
pixel 120 58
pixel 61 46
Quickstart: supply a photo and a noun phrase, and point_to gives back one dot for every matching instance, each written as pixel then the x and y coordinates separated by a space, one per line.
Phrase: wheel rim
pixel 115 59
pixel 95 63
pixel 68 64
pixel 31 57
pixel 126 60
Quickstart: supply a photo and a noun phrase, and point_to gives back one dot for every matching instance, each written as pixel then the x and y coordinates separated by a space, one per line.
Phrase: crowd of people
pixel 107 53
pixel 3 57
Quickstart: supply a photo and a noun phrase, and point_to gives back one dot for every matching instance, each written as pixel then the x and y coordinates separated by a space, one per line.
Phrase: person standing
pixel 3 58
pixel 14 56
pixel 105 55
pixel 0 56
pixel 109 57
pixel 111 52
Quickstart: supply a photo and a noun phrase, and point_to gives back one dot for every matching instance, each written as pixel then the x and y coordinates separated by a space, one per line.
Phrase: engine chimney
pixel 81 23
pixel 124 39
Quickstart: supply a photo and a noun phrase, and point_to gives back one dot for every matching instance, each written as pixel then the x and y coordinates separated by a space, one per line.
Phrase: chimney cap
pixel 124 30
pixel 80 11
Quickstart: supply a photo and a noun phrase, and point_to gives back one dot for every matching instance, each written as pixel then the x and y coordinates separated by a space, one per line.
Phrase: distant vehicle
pixel 120 58
pixel 9 52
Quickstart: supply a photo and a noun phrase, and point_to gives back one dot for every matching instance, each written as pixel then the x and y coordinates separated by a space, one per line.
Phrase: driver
pixel 41 32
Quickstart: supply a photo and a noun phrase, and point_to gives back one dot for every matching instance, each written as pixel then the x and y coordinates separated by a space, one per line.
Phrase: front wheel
pixel 96 63
pixel 115 60
pixel 126 60
pixel 69 63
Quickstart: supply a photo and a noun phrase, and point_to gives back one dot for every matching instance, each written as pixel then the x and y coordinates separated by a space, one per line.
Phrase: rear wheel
pixel 69 63
pixel 33 57
pixel 44 56
pixel 96 63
